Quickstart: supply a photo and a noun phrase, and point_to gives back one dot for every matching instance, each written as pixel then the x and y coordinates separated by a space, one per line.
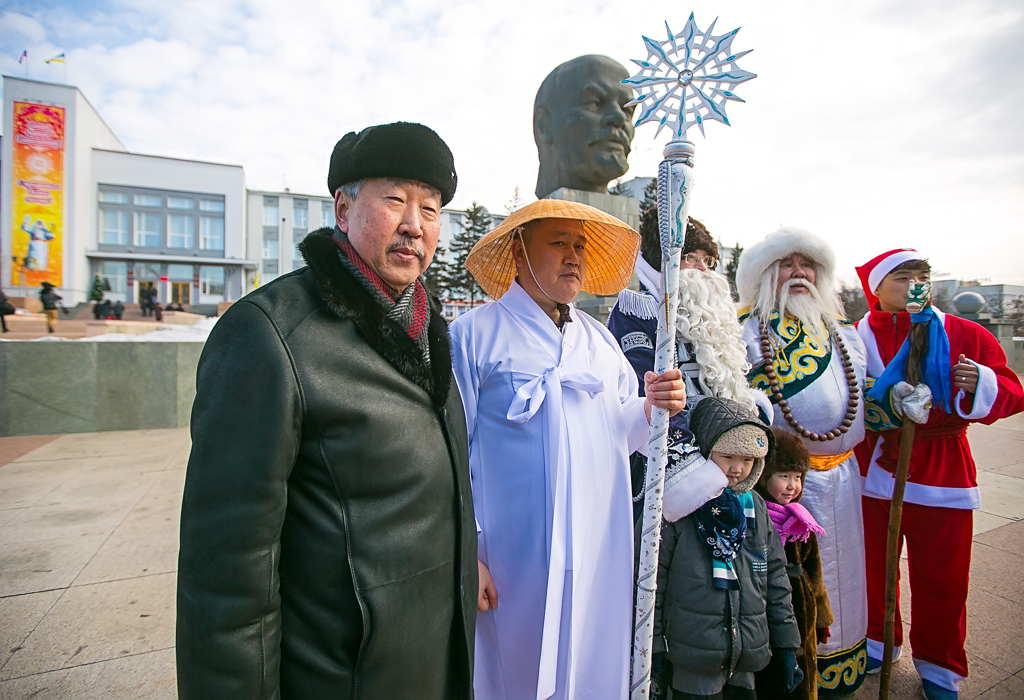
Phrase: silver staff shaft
pixel 675 185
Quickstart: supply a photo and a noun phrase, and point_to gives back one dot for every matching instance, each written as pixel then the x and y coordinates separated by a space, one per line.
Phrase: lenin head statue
pixel 582 126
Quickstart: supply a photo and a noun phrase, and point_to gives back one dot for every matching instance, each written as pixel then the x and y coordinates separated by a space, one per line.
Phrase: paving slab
pixel 20 615
pixel 1001 495
pixel 148 676
pixel 99 622
pixel 11 448
pixel 43 565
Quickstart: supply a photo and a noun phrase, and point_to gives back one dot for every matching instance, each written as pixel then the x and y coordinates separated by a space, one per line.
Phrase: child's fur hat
pixel 790 455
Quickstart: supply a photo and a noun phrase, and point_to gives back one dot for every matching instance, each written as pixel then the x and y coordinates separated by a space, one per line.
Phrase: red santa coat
pixel 942 469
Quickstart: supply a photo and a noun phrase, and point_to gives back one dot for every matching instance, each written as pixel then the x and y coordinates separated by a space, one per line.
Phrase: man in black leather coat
pixel 328 544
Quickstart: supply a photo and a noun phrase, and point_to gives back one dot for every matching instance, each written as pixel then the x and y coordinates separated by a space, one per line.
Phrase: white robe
pixel 552 419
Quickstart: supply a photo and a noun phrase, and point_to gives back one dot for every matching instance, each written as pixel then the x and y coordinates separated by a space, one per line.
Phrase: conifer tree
pixel 98 287
pixel 475 224
pixel 730 270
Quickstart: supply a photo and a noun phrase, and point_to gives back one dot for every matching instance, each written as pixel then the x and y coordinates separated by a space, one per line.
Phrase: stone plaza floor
pixel 88 554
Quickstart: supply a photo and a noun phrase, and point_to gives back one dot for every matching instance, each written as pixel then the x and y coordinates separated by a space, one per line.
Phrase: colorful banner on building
pixel 37 173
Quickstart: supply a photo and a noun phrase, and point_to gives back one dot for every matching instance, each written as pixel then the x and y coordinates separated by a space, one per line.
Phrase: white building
pixel 77 204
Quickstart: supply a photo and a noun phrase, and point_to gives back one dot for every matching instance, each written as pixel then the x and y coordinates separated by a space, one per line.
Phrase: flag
pixel 59 58
pixel 24 55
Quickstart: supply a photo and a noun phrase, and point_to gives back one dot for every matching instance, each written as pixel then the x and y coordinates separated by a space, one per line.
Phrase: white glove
pixel 913 402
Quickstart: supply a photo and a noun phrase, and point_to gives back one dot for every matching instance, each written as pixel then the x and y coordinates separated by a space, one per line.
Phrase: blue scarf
pixel 935 366
pixel 722 524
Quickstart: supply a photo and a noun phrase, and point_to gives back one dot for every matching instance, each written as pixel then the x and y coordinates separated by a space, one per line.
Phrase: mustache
pixel 614 135
pixel 408 243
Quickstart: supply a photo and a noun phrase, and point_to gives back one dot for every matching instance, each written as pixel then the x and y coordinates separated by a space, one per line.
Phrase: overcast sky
pixel 875 124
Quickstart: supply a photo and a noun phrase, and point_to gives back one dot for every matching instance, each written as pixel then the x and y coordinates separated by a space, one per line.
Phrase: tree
pixel 650 198
pixel 515 203
pixel 437 278
pixel 621 190
pixel 854 302
pixel 475 224
pixel 99 285
pixel 730 270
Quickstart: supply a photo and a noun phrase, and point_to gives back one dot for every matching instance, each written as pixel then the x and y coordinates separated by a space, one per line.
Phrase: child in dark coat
pixel 781 485
pixel 723 603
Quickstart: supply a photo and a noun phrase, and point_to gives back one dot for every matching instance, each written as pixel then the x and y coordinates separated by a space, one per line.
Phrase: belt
pixel 823 463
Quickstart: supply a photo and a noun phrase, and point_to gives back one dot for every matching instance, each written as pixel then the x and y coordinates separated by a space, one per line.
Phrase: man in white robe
pixel 788 301
pixel 553 413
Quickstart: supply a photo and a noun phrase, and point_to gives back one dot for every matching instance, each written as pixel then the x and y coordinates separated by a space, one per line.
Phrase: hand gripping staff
pixel 685 80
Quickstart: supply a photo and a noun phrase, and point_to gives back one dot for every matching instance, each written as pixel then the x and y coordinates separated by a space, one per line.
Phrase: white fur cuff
pixel 689 488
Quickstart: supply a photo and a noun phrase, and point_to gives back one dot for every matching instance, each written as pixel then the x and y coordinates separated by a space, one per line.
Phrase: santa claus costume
pixel 942 488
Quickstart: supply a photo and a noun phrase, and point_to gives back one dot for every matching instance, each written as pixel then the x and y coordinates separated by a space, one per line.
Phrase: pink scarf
pixel 793 522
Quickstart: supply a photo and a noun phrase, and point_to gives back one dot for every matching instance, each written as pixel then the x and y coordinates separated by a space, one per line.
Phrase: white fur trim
pixel 876 650
pixel 756 259
pixel 875 364
pixel 889 264
pixel 984 396
pixel 762 401
pixel 880 483
pixel 942 677
pixel 637 304
pixel 686 492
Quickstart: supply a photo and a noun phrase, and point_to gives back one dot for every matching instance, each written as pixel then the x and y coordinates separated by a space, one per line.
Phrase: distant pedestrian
pixel 6 308
pixel 118 309
pixel 50 299
pixel 158 313
pixel 97 310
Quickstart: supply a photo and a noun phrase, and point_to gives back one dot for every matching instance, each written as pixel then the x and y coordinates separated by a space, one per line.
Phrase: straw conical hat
pixel 612 247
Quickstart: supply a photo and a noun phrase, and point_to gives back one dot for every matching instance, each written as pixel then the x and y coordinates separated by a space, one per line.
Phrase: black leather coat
pixel 328 544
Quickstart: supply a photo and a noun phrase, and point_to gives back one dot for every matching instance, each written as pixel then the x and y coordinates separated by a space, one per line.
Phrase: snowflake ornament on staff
pixel 685 81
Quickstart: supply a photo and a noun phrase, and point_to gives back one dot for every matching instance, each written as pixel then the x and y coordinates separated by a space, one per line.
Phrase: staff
pixel 685 81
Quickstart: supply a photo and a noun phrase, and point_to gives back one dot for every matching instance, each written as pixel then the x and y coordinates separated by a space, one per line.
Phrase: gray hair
pixel 351 189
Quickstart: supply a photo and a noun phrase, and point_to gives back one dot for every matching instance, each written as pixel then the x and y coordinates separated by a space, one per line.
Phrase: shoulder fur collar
pixel 345 296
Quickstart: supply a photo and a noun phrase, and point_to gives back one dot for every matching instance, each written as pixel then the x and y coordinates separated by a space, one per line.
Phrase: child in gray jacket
pixel 723 603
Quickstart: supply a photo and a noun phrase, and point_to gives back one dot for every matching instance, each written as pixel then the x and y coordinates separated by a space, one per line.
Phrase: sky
pixel 875 124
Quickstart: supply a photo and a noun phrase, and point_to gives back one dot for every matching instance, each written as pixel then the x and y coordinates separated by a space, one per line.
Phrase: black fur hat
pixel 402 150
pixel 697 238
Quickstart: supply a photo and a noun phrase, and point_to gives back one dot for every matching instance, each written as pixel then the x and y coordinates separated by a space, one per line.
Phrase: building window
pixel 211 233
pixel 113 197
pixel 327 214
pixel 180 203
pixel 179 231
pixel 116 276
pixel 179 273
pixel 211 280
pixel 269 249
pixel 147 229
pixel 114 228
pixel 147 272
pixel 301 212
pixel 270 212
pixel 148 200
pixel 210 205
pixel 269 270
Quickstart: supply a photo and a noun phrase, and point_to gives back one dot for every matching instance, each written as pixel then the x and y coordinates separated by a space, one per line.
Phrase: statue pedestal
pixel 623 208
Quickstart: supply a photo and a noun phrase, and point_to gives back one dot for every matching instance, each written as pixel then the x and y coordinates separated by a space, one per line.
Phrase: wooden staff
pixel 918 350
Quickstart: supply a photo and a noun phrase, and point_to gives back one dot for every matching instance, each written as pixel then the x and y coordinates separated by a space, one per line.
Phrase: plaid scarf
pixel 722 524
pixel 409 309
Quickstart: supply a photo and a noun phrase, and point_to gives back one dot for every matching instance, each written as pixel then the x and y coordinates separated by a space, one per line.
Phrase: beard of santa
pixel 706 317
pixel 810 309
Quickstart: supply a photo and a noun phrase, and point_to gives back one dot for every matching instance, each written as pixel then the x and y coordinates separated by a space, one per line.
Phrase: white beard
pixel 809 309
pixel 707 318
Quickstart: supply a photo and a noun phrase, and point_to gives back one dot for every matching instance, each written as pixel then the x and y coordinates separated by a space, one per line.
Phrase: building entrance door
pixel 180 292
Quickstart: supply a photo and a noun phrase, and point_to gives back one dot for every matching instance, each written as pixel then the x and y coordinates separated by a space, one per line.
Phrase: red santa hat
pixel 874 271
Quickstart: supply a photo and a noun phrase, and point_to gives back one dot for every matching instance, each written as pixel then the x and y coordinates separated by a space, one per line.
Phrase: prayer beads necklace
pixel 787 412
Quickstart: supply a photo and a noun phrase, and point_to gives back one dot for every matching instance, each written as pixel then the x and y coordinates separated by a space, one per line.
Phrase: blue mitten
pixel 791 673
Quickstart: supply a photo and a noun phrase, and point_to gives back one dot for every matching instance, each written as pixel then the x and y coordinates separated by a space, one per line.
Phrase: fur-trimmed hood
pixel 756 259
pixel 713 417
pixel 346 297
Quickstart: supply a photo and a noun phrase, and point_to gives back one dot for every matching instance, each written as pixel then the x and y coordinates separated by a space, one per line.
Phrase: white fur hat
pixel 756 259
